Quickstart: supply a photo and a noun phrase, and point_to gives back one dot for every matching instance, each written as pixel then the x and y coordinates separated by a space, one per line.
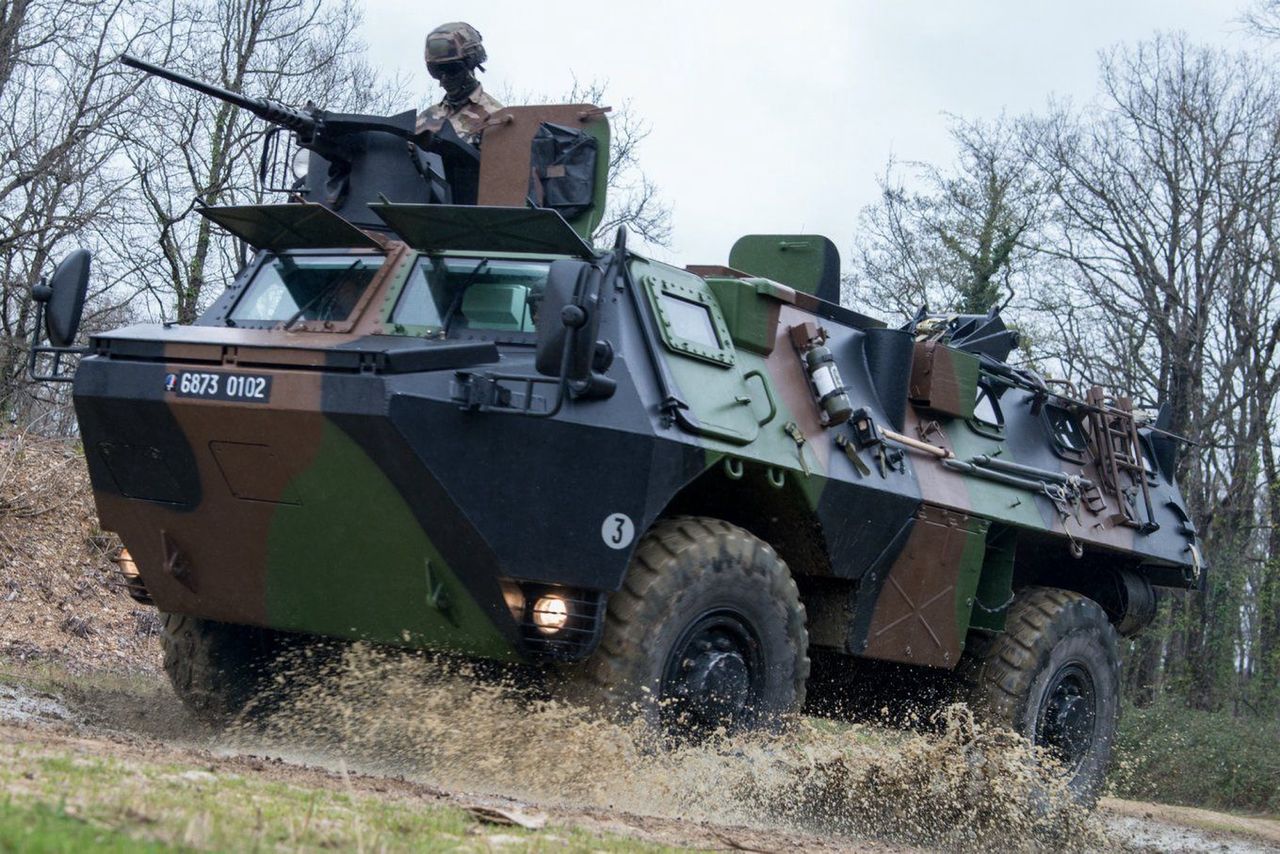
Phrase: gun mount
pixel 355 159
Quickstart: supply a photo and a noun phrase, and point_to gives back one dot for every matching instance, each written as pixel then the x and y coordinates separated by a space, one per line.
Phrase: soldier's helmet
pixel 455 42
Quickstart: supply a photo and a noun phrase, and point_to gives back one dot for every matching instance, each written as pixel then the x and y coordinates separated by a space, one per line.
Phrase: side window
pixel 1068 436
pixel 690 321
pixel 987 419
pixel 470 295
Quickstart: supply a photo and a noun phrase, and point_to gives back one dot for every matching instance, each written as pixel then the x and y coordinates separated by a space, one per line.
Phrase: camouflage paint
pixel 373 496
pixel 359 565
pixel 920 613
pixel 364 502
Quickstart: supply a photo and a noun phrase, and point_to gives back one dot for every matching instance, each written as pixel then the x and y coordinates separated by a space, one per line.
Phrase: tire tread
pixel 1002 671
pixel 664 564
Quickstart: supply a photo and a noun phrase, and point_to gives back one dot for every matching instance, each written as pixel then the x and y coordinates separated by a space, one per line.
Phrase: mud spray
pixel 436 721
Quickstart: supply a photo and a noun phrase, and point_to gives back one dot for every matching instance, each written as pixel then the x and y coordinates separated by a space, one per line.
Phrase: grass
pixel 1172 754
pixel 59 801
pixel 41 828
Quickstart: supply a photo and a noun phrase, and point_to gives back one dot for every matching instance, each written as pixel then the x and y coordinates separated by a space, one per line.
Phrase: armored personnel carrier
pixel 430 413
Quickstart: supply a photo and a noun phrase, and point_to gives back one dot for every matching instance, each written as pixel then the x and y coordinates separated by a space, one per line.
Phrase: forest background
pixel 1134 240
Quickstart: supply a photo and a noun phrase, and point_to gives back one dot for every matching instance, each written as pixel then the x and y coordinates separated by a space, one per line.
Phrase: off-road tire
pixel 684 570
pixel 220 671
pixel 1050 632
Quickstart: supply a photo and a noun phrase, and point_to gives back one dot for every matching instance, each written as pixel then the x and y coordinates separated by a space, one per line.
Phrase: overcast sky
pixel 778 117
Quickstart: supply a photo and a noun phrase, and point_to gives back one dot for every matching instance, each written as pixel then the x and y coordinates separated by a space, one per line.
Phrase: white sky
pixel 778 117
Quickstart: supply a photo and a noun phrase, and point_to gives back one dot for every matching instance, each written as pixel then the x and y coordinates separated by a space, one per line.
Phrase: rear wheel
pixel 219 671
pixel 708 631
pixel 1054 677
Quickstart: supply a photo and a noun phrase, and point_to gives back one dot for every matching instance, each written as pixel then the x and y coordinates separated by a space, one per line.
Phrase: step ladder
pixel 1113 432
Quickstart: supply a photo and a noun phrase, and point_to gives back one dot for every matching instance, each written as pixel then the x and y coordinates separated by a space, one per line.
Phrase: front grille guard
pixel 580 633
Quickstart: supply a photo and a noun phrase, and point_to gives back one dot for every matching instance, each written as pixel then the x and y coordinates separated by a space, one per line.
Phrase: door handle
pixel 768 394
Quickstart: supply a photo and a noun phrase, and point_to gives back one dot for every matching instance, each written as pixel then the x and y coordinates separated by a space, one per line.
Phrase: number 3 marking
pixel 618 531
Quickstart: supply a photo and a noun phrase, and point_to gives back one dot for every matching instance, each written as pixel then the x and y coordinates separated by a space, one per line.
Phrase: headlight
pixel 550 613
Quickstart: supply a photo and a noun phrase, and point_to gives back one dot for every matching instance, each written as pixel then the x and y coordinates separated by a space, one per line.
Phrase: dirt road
pixel 134 724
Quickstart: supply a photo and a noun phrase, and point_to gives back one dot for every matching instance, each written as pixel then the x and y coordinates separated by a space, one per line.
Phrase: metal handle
pixel 768 395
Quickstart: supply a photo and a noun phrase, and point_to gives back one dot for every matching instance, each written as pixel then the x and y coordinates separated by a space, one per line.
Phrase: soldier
pixel 454 51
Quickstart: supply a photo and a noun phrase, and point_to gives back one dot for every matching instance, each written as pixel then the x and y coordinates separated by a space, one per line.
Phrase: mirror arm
pixel 562 386
pixel 55 373
pixel 563 382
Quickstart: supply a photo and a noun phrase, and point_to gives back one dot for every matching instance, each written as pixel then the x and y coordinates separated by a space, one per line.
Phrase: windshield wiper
pixel 456 302
pixel 340 279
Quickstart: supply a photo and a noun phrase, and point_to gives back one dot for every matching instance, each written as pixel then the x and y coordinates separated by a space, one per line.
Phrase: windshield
pixel 298 288
pixel 458 294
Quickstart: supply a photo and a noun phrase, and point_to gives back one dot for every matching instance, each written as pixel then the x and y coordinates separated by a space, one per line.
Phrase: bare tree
pixel 1262 19
pixel 1164 202
pixel 60 182
pixel 1141 233
pixel 187 149
pixel 958 239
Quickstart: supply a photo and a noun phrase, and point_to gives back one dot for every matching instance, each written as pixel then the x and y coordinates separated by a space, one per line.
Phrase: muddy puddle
pixel 433 721
pixel 822 784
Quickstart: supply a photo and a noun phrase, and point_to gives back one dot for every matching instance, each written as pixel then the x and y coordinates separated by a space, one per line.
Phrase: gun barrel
pixel 272 112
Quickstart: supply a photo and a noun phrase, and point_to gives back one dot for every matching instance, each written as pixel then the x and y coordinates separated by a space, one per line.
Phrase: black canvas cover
pixel 562 170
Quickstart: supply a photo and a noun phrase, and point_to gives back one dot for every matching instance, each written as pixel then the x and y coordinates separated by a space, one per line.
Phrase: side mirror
pixel 569 317
pixel 63 298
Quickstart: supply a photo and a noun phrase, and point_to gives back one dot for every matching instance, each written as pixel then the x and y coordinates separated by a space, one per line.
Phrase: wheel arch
pixel 1119 583
pixel 781 516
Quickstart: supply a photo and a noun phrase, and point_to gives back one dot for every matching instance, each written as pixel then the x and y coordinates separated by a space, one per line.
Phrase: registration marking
pixel 215 385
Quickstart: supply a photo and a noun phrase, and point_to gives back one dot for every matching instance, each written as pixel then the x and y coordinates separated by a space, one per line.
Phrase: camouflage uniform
pixel 453 53
pixel 468 119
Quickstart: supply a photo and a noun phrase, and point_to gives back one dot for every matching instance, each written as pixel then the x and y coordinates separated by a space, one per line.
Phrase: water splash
pixel 444 723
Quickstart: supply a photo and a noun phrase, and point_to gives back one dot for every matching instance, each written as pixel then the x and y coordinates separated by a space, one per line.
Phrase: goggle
pixel 444 69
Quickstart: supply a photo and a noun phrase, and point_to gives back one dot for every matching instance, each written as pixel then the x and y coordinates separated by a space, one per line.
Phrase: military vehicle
pixel 429 413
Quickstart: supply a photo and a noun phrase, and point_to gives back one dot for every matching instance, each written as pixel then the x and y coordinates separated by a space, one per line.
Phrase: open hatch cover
pixel 466 228
pixel 289 226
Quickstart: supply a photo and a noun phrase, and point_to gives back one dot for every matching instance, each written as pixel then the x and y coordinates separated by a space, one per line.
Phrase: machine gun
pixel 356 159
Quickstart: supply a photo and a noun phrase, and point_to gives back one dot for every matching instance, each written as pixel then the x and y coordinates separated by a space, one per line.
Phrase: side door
pixel 702 360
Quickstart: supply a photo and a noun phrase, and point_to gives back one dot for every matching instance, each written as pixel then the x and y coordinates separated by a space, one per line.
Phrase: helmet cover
pixel 455 42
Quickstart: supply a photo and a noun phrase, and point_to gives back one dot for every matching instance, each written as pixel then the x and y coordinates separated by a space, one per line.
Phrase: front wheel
pixel 1054 677
pixel 708 631
pixel 221 672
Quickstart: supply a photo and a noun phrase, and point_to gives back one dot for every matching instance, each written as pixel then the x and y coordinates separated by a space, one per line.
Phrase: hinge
pixel 479 391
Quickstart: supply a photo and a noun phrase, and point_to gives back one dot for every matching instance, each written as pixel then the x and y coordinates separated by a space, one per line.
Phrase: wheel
pixel 707 631
pixel 1054 677
pixel 217 670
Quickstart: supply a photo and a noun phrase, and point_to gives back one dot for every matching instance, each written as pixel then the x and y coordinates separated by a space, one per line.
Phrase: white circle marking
pixel 618 531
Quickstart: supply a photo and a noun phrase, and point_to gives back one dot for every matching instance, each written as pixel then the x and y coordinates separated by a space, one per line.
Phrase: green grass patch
pixel 57 799
pixel 42 828
pixel 1172 754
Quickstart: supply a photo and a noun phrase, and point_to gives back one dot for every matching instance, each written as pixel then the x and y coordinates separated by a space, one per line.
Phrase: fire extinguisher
pixel 823 373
